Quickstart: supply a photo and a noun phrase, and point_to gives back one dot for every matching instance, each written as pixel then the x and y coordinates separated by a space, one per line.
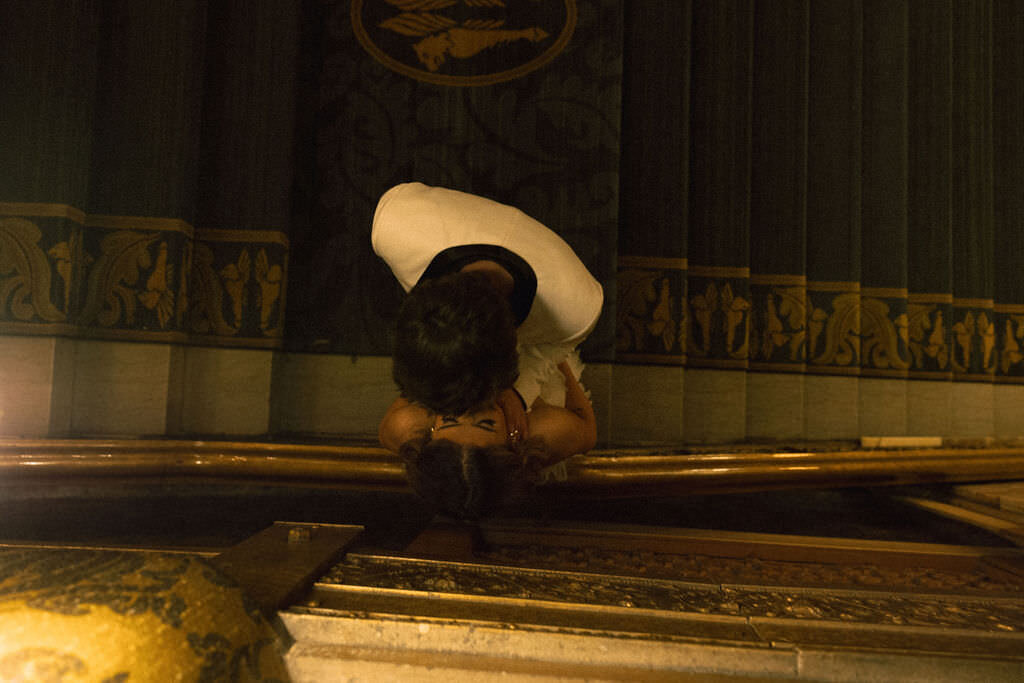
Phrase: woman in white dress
pixel 485 352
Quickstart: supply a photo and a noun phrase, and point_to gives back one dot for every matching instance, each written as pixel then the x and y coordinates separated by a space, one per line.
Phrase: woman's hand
pixel 516 422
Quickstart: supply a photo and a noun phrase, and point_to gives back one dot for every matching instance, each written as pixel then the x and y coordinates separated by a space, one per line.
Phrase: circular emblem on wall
pixel 464 42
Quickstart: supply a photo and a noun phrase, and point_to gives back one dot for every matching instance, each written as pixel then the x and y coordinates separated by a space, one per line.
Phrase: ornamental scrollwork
pixel 781 323
pixel 115 285
pixel 834 338
pixel 978 324
pixel 926 330
pixel 884 338
pixel 718 308
pixel 646 312
pixel 25 274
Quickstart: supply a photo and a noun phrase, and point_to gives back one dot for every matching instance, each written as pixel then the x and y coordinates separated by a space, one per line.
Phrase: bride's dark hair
pixel 471 482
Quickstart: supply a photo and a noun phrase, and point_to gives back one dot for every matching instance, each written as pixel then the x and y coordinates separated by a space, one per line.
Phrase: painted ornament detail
pixel 463 42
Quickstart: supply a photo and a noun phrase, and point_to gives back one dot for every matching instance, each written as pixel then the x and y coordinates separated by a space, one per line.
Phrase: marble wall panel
pixel 646 404
pixel 882 407
pixel 831 407
pixel 714 406
pixel 124 388
pixel 227 391
pixel 775 406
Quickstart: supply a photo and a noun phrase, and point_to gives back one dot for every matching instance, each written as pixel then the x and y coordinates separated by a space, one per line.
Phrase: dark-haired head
pixel 455 344
pixel 471 482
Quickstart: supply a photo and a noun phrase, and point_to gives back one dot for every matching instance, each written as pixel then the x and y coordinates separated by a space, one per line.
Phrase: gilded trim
pixel 222 235
pixel 885 292
pixel 832 286
pixel 778 279
pixel 926 298
pixel 42 210
pixel 736 272
pixel 973 303
pixel 148 223
pixel 656 262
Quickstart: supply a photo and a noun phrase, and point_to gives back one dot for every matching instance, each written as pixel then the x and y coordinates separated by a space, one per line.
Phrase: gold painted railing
pixel 603 473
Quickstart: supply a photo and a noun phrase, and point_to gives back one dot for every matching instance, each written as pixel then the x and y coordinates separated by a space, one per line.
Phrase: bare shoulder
pixel 402 422
pixel 564 433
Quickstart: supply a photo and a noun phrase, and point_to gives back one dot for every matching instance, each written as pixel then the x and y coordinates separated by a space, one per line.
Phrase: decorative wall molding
pixel 135 278
pixel 671 312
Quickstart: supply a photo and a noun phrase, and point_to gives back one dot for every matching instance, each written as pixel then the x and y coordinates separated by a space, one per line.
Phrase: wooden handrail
pixel 604 473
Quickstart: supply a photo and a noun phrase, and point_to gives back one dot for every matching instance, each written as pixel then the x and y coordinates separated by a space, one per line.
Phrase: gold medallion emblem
pixel 463 42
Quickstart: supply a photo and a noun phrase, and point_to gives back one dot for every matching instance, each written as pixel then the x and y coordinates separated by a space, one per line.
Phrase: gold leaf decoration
pixel 66 255
pixel 421 5
pixel 270 279
pixel 719 308
pixel 702 307
pixel 735 309
pixel 882 336
pixel 784 324
pixel 987 332
pixel 186 270
pixel 25 273
pixel 661 325
pixel 645 308
pixel 158 296
pixel 206 306
pixel 963 331
pixel 417 23
pixel 235 276
pixel 111 293
pixel 1011 351
pixel 927 337
pixel 840 345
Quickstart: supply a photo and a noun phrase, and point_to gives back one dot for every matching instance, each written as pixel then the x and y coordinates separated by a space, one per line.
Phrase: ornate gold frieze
pixel 833 329
pixel 651 314
pixel 720 326
pixel 928 337
pixel 884 333
pixel 778 325
pixel 672 313
pixel 238 287
pixel 133 281
pixel 973 353
pixel 36 271
pixel 138 278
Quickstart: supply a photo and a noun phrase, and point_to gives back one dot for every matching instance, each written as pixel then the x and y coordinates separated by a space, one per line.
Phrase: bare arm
pixel 403 421
pixel 517 423
pixel 569 430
